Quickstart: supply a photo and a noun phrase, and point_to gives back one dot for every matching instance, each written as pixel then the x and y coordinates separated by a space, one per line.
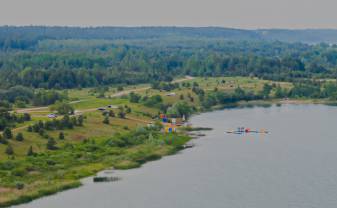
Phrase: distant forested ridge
pixel 70 57
pixel 28 36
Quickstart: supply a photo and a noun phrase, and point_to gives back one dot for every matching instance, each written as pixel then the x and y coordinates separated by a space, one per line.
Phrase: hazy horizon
pixel 255 14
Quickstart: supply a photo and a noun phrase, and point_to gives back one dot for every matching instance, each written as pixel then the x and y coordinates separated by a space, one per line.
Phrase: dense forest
pixel 29 36
pixel 68 57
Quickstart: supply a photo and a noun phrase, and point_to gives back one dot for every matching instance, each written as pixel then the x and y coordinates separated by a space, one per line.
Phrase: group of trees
pixel 149 101
pixel 20 96
pixel 8 135
pixel 8 119
pixel 180 109
pixel 314 90
pixel 122 111
pixel 167 86
pixel 63 108
pixel 77 63
pixel 309 89
pixel 66 122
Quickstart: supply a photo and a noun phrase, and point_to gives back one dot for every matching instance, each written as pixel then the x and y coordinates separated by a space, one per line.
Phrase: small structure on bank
pixel 170 128
pixel 171 124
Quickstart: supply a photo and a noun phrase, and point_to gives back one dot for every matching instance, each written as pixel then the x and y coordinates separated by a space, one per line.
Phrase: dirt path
pixel 41 109
pixel 137 119
pixel 126 92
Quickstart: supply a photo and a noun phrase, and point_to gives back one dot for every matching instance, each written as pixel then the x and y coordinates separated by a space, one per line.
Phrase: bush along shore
pixel 53 171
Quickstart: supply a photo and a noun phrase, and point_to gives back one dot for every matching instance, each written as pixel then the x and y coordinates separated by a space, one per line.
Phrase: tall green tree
pixel 7 133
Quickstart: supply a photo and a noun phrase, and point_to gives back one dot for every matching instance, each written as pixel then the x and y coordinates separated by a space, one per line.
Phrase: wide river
pixel 294 166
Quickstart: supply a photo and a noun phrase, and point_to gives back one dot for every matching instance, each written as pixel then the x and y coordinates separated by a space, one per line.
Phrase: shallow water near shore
pixel 293 166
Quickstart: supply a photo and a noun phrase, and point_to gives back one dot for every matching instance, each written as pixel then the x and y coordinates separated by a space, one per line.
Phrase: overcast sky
pixel 224 13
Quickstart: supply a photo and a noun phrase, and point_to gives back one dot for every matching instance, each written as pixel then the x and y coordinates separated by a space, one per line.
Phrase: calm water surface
pixel 295 166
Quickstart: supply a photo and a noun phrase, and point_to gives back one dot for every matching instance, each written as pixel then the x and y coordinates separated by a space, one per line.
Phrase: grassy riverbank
pixel 122 143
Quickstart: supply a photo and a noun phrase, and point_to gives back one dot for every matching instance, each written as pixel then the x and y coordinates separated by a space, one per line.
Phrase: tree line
pixel 128 62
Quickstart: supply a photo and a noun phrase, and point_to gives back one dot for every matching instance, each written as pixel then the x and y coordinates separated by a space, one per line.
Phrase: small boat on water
pixel 243 130
pixel 105 179
pixel 188 145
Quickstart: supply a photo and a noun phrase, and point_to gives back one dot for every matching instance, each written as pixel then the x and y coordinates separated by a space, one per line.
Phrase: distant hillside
pixel 27 37
pixel 304 36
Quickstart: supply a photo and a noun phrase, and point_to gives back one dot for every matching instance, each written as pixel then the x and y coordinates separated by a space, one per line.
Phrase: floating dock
pixel 242 130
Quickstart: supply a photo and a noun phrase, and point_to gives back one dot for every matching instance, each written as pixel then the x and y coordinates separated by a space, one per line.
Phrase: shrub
pixel 30 151
pixel 19 185
pixel 7 134
pixel 61 136
pixel 106 120
pixel 19 137
pixel 9 150
pixel 51 144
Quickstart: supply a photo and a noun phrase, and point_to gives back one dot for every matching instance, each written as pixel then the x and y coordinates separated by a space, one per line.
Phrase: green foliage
pixel 80 120
pixel 153 101
pixel 121 114
pixel 3 140
pixel 106 120
pixel 19 137
pixel 20 185
pixel 280 93
pixel 9 119
pixel 9 150
pixel 266 90
pixel 61 136
pixel 128 110
pixel 65 123
pixel 51 144
pixel 165 86
pixel 134 98
pixel 302 90
pixel 30 151
pixel 111 113
pixel 7 133
pixel 180 109
pixel 63 108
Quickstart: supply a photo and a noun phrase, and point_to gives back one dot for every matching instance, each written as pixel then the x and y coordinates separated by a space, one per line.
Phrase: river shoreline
pixel 258 103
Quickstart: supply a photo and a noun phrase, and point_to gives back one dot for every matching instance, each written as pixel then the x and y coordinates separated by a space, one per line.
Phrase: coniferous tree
pixel 7 134
pixel 80 120
pixel 30 151
pixel 19 137
pixel 121 114
pixel 51 144
pixel 3 140
pixel 61 136
pixel 106 120
pixel 111 113
pixel 9 150
pixel 30 129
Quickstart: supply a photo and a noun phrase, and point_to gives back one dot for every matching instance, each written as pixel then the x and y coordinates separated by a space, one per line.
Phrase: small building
pixel 170 128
